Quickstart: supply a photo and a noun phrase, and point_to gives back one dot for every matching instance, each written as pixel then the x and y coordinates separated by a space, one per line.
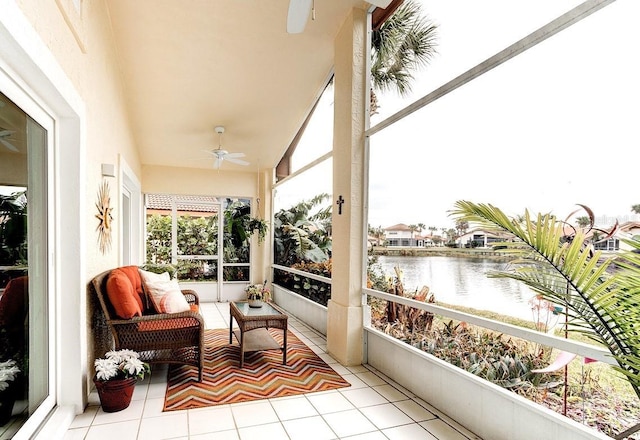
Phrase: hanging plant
pixel 242 226
pixel 259 226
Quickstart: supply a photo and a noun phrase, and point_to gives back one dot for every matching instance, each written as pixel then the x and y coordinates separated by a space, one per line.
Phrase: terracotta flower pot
pixel 7 399
pixel 115 394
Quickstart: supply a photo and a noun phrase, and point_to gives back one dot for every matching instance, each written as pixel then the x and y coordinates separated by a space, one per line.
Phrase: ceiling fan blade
pixel 298 15
pixel 232 155
pixel 236 161
pixel 4 133
pixel 217 163
pixel 8 145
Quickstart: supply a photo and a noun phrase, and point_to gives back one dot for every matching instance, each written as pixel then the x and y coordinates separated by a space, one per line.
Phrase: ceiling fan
pixel 222 155
pixel 299 14
pixel 4 134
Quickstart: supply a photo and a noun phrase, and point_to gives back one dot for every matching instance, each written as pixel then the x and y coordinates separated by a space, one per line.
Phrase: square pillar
pixel 344 326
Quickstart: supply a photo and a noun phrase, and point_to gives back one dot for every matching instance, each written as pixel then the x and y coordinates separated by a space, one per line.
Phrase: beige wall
pixel 193 181
pixel 93 70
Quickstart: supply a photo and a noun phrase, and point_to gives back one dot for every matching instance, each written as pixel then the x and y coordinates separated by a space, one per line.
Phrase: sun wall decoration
pixel 104 216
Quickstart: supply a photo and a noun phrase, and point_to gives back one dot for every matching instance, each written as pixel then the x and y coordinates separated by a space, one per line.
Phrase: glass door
pixel 25 324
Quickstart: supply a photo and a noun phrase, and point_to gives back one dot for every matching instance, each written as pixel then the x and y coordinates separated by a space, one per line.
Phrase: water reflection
pixel 463 281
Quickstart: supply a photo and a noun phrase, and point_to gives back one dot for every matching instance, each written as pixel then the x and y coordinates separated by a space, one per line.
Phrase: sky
pixel 545 131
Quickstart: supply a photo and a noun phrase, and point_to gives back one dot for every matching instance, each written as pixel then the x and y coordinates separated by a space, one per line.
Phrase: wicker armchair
pixel 160 338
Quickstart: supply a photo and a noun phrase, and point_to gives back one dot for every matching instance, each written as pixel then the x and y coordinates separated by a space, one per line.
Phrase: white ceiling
pixel 189 66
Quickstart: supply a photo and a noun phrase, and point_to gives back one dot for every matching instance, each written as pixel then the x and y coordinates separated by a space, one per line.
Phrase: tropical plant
pixel 239 226
pixel 317 291
pixel 405 42
pixel 158 239
pixel 302 232
pixel 13 229
pixel 601 294
pixel 499 359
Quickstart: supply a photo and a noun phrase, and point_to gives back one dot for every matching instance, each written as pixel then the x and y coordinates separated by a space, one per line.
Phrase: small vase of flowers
pixel 257 294
pixel 116 376
pixel 8 373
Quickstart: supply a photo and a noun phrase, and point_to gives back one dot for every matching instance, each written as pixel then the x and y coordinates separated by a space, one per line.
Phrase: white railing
pixel 303 273
pixel 579 348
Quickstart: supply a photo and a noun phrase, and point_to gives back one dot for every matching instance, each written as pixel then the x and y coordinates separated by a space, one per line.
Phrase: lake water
pixel 463 281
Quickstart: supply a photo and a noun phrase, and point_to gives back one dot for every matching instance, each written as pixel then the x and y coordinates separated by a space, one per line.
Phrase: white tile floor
pixel 371 408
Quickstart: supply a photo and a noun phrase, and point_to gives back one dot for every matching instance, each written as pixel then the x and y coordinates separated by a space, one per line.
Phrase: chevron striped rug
pixel 263 375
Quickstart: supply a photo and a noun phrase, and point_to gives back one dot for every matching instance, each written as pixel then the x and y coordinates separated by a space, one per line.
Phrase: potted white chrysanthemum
pixel 116 376
pixel 257 294
pixel 8 373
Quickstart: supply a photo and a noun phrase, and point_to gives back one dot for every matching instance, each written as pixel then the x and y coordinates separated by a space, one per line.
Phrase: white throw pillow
pixel 164 293
pixel 145 275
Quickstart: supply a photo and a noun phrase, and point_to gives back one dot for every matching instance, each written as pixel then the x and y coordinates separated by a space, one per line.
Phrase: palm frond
pixel 404 43
pixel 556 261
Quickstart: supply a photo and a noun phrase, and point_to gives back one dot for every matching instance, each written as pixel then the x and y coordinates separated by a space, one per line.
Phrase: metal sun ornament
pixel 104 216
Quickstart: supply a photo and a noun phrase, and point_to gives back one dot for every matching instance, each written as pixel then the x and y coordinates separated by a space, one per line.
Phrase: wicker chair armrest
pixel 191 296
pixel 195 317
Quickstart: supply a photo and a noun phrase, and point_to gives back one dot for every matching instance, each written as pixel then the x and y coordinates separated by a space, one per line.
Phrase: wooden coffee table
pixel 252 333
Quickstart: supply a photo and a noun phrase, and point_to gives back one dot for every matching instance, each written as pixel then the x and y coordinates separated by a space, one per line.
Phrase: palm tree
pixel 421 227
pixel 451 235
pixel 461 226
pixel 377 233
pixel 601 294
pixel 412 228
pixel 583 221
pixel 635 209
pixel 405 42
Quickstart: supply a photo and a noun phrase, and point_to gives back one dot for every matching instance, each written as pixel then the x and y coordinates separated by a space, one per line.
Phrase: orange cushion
pixel 13 305
pixel 162 325
pixel 134 276
pixel 122 295
pixel 195 308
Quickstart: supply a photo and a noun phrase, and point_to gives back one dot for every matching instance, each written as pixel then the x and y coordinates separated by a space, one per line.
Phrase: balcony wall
pixel 482 407
pixel 486 409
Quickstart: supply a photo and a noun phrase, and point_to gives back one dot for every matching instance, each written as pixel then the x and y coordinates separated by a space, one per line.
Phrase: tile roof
pixel 184 203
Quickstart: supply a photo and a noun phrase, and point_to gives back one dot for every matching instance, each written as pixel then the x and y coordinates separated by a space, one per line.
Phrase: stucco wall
pixel 92 67
pixel 192 181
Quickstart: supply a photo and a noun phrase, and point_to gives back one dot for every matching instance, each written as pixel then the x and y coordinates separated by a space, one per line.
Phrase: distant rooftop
pixel 184 203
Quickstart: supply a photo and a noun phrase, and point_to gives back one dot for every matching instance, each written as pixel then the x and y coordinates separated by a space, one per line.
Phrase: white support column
pixel 344 326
